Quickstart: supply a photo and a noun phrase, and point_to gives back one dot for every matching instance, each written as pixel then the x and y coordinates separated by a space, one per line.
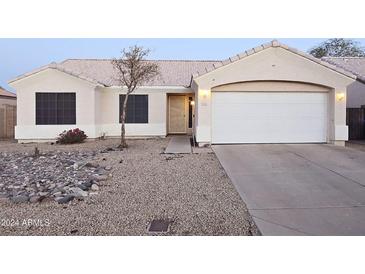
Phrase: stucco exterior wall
pixel 52 80
pixel 157 106
pixel 273 64
pixel 356 95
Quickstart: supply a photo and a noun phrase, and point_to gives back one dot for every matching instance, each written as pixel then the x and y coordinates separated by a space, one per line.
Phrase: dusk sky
pixel 19 56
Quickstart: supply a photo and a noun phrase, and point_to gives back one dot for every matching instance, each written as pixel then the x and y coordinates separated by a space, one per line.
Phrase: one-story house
pixel 269 94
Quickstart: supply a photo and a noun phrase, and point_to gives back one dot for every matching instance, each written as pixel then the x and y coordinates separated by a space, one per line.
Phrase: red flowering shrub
pixel 71 136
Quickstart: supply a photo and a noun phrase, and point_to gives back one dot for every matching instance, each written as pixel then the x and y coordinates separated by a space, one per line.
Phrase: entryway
pixel 180 113
pixel 179 144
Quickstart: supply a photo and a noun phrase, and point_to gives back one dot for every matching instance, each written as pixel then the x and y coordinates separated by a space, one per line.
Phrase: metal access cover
pixel 159 226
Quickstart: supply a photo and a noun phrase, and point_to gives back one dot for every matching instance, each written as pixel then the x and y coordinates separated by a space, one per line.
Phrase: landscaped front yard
pixel 191 190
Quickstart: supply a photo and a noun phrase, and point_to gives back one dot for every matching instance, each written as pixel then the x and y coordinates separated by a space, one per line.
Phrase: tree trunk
pixel 123 143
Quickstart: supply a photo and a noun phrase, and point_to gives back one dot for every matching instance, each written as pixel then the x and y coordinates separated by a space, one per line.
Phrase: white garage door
pixel 269 117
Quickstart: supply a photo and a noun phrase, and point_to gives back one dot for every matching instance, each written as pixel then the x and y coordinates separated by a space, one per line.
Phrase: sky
pixel 18 56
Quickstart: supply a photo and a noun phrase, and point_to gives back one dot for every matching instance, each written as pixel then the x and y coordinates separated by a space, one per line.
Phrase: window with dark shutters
pixel 55 108
pixel 137 109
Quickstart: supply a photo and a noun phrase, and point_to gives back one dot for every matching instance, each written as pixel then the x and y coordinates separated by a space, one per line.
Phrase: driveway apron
pixel 302 189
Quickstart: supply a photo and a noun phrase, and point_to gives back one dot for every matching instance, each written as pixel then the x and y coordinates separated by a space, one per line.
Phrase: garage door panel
pixel 269 98
pixel 279 110
pixel 252 117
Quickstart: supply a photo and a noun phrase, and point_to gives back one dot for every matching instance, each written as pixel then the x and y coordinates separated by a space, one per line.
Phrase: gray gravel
pixel 192 191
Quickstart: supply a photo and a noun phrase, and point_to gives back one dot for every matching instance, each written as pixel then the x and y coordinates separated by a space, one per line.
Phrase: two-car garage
pixel 269 117
pixel 271 94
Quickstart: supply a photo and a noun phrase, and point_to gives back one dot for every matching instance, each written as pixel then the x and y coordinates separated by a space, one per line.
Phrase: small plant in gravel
pixel 71 136
pixel 36 152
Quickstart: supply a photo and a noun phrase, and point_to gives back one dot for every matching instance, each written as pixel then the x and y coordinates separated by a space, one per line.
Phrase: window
pixel 137 109
pixel 55 108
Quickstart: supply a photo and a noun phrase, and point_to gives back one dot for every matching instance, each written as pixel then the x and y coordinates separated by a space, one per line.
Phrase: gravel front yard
pixel 192 191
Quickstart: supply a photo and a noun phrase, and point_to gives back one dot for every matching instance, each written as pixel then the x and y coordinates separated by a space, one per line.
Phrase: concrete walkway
pixel 299 189
pixel 179 144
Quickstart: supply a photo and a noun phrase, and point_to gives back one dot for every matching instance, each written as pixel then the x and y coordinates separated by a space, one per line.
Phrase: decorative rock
pixel 99 178
pixel 83 187
pixel 52 175
pixel 100 171
pixel 89 183
pixel 65 200
pixel 77 192
pixel 109 149
pixel 78 165
pixel 94 187
pixel 57 190
pixel 92 164
pixel 20 199
pixel 34 199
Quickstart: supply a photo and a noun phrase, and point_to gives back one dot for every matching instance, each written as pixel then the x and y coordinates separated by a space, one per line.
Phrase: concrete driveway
pixel 308 189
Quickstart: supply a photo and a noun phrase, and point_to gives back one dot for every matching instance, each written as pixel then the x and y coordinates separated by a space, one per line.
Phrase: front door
pixel 177 118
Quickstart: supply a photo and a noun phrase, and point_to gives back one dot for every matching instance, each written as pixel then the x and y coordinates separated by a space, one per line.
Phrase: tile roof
pixel 4 92
pixel 172 72
pixel 356 65
pixel 102 72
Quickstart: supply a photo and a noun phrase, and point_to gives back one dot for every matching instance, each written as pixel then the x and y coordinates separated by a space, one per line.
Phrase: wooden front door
pixel 177 117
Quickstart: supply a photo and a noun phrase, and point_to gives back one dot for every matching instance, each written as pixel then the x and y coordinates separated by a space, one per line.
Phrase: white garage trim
pixel 269 117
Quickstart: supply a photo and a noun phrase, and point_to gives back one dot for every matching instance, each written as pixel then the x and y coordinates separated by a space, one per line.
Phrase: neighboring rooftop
pixel 4 92
pixel 355 65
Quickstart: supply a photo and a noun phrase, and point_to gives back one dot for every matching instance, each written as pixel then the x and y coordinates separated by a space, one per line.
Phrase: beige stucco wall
pixel 157 107
pixel 272 64
pixel 52 80
pixel 356 95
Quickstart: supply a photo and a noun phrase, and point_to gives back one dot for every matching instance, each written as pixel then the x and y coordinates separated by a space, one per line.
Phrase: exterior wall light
pixel 340 96
pixel 192 103
pixel 204 93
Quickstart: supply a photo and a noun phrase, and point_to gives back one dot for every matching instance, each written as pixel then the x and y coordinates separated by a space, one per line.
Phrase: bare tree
pixel 133 71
